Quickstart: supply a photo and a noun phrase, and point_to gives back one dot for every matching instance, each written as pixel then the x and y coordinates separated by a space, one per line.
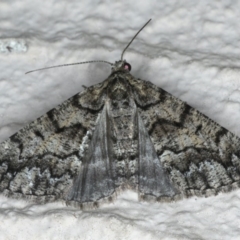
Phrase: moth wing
pixel 153 181
pixel 199 156
pixel 96 178
pixel 40 161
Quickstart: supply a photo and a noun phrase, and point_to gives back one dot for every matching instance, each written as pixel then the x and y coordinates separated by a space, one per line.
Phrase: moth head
pixel 121 65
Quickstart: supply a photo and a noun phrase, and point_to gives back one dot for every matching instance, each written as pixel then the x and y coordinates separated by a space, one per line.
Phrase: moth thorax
pixel 118 90
pixel 118 95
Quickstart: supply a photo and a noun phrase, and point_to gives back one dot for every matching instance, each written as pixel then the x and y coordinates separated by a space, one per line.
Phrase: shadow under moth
pixel 121 133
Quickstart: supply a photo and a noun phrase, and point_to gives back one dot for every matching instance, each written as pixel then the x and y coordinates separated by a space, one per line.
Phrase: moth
pixel 121 133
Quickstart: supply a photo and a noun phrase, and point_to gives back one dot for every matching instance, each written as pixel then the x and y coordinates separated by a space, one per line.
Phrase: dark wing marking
pixel 200 156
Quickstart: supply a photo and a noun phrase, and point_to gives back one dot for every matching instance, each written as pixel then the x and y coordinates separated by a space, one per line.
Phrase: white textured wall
pixel 191 49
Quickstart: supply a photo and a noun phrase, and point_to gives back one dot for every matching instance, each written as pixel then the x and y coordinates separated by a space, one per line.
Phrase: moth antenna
pixel 65 65
pixel 135 37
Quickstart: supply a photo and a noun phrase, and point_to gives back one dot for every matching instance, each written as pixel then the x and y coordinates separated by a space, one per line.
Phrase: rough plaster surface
pixel 191 49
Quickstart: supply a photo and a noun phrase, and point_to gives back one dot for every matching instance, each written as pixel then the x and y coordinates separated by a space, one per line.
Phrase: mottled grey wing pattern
pixel 40 161
pixel 199 156
pixel 96 178
pixel 153 180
